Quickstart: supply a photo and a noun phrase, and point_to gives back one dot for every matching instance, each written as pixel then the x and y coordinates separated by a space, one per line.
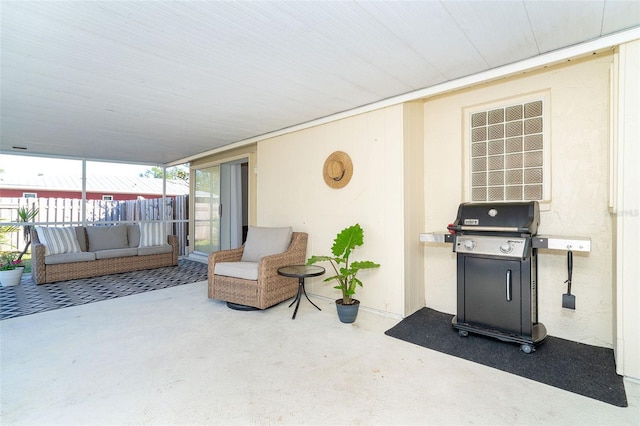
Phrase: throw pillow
pixel 58 240
pixel 263 241
pixel 152 234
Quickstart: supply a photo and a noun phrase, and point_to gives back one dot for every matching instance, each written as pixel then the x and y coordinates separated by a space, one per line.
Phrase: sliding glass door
pixel 233 194
pixel 221 206
pixel 207 210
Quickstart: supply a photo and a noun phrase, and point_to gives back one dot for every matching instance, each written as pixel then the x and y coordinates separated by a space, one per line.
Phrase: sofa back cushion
pixel 263 241
pixel 107 237
pixel 152 234
pixel 133 234
pixel 81 236
pixel 58 240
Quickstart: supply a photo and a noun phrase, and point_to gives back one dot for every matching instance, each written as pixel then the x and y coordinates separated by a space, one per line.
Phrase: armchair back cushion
pixel 264 241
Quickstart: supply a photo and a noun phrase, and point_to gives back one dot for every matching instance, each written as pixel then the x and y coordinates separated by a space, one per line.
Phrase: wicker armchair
pixel 270 288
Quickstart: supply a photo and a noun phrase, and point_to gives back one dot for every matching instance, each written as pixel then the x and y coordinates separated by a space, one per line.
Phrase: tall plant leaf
pixel 348 239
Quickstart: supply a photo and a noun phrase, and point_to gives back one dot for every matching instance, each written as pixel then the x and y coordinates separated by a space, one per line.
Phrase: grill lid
pixel 520 217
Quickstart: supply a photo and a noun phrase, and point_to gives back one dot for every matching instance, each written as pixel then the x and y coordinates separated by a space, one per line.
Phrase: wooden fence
pixel 68 211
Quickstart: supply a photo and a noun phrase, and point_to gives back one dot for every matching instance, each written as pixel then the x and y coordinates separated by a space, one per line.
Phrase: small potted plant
pixel 10 269
pixel 345 271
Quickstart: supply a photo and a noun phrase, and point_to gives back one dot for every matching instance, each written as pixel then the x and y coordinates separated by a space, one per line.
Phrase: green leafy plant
pixel 9 261
pixel 345 271
pixel 25 215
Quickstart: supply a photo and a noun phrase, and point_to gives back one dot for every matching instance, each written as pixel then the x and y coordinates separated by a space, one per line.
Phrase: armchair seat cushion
pixel 244 270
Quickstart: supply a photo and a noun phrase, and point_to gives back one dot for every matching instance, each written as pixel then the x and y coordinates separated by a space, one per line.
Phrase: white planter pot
pixel 12 277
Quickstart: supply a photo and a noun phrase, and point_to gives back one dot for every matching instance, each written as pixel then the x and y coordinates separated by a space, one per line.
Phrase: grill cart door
pixel 493 294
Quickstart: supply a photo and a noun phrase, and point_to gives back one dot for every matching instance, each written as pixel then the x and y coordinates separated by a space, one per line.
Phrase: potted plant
pixel 10 269
pixel 26 215
pixel 345 271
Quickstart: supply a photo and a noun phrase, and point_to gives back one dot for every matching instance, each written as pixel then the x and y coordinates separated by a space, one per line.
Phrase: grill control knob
pixel 506 247
pixel 469 244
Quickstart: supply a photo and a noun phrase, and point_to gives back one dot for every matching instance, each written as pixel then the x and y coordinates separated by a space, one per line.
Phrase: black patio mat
pixel 583 369
pixel 28 298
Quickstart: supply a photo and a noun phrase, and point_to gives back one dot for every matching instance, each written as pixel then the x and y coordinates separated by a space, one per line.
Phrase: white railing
pixel 68 212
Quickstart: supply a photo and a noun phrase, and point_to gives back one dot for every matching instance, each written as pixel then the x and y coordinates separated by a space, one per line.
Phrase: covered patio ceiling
pixel 160 82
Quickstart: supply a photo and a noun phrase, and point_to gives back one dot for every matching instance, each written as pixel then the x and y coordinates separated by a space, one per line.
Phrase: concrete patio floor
pixel 173 356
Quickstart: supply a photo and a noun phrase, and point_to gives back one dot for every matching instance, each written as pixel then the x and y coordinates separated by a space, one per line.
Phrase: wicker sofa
pixel 103 250
pixel 268 288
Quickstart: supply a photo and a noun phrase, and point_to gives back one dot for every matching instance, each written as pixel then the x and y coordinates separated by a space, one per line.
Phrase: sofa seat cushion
pixel 56 259
pixel 164 248
pixel 107 237
pixel 243 270
pixel 120 252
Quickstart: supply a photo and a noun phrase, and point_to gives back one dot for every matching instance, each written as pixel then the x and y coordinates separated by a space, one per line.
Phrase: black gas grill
pixel 497 272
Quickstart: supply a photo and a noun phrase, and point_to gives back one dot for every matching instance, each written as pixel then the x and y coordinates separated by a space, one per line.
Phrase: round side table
pixel 301 272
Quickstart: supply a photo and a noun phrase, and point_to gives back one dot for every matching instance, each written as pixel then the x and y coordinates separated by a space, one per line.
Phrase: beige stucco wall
pixel 578 95
pixel 408 178
pixel 291 191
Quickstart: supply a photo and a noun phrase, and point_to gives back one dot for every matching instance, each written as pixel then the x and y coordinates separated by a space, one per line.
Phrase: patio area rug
pixel 575 367
pixel 28 298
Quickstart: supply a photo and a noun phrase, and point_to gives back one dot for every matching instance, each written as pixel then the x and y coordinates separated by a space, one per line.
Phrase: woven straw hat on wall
pixel 337 170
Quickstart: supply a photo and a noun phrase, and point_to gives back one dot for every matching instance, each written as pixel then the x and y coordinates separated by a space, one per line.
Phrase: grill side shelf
pixel 553 242
pixel 436 237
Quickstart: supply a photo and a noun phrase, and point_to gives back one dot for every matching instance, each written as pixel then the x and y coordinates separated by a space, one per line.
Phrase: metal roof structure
pixel 98 184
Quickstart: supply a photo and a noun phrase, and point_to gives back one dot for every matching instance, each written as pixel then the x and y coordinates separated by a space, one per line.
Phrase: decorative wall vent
pixel 507 153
